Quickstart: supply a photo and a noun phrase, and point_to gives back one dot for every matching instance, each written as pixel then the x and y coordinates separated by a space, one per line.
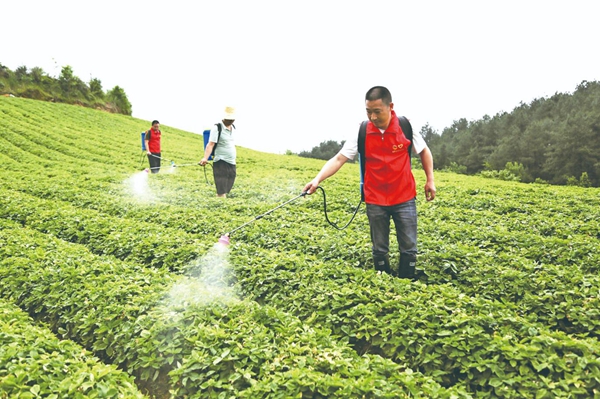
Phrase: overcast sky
pixel 297 71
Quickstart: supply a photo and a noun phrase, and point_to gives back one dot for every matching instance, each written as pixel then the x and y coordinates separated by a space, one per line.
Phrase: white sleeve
pixel 350 147
pixel 419 143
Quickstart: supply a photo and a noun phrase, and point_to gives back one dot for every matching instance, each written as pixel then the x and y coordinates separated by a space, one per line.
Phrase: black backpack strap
pixel 219 128
pixel 218 137
pixel 408 132
pixel 362 134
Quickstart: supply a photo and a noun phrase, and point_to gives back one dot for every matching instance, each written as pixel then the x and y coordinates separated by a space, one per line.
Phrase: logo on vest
pixel 396 148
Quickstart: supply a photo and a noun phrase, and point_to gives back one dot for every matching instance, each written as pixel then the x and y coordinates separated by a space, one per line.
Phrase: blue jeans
pixel 405 221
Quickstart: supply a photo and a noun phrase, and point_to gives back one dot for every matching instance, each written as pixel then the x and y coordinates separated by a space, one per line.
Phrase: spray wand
pixel 173 164
pixel 162 158
pixel 184 164
pixel 225 237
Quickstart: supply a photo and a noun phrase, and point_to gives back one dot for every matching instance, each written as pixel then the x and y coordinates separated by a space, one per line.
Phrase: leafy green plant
pixel 35 364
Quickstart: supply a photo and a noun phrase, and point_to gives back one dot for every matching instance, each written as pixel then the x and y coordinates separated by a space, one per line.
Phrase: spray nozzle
pixel 224 240
pixel 147 170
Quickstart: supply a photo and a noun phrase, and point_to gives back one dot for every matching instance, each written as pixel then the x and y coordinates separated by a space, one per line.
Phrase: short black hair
pixel 154 122
pixel 379 93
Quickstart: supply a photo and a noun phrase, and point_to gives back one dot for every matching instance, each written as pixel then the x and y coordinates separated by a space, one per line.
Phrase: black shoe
pixel 408 272
pixel 382 263
pixel 406 268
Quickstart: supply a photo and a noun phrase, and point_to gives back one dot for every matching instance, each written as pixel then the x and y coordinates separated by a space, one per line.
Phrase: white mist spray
pixel 171 169
pixel 137 186
pixel 206 281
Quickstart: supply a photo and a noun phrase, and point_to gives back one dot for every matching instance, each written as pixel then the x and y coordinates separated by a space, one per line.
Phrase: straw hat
pixel 229 113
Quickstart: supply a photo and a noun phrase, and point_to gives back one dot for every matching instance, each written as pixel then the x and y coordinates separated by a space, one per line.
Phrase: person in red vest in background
pixel 152 139
pixel 389 185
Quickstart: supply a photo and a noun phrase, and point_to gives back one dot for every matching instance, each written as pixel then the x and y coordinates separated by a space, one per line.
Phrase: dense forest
pixel 67 88
pixel 555 139
pixel 552 140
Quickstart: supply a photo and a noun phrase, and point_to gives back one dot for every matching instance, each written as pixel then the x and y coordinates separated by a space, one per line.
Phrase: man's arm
pixel 147 146
pixel 207 152
pixel 329 169
pixel 427 161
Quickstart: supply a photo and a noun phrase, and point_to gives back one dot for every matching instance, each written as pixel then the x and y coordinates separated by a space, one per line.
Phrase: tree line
pixel 552 140
pixel 67 88
pixel 324 151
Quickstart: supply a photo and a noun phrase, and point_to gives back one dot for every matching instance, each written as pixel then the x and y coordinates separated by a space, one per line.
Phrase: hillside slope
pixel 127 265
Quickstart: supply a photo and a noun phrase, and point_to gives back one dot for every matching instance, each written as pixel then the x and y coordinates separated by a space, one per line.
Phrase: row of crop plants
pixel 84 135
pixel 16 158
pixel 36 364
pixel 45 147
pixel 131 240
pixel 202 349
pixel 490 235
pixel 484 231
pixel 297 284
pixel 64 129
pixel 561 296
pixel 533 236
pixel 185 202
pixel 44 153
pixel 455 338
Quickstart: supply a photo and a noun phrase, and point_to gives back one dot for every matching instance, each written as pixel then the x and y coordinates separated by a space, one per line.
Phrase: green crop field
pixel 113 285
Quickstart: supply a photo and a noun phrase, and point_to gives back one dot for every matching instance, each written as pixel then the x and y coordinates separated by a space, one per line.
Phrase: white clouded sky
pixel 297 71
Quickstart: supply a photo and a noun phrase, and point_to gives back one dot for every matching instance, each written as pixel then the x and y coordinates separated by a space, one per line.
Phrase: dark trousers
pixel 405 221
pixel 224 174
pixel 154 160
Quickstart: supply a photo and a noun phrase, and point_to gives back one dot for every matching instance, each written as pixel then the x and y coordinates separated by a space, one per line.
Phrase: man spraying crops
pixel 152 139
pixel 389 185
pixel 222 146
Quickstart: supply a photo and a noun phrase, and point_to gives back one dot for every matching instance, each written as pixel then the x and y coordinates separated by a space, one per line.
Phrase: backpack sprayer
pixel 224 239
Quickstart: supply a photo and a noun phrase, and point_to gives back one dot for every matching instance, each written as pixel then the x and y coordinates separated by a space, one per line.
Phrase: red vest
pixel 388 176
pixel 154 142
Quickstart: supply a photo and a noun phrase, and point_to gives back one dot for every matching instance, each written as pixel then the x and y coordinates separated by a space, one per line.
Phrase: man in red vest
pixel 389 185
pixel 152 140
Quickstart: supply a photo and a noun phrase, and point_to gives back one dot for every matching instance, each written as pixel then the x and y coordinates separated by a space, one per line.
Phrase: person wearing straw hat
pixel 221 140
pixel 152 139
